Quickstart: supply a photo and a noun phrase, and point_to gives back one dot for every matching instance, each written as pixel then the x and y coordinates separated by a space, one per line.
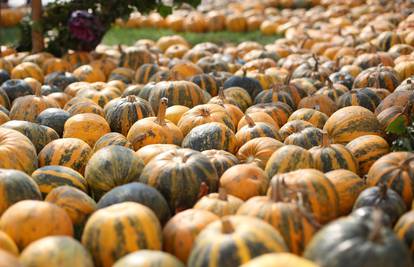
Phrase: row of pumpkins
pixel 163 154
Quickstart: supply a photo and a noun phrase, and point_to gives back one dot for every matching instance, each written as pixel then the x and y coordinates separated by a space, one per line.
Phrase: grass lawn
pixel 128 36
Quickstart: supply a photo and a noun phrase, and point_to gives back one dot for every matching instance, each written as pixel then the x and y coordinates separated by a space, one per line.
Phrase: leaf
pixel 164 10
pixel 397 126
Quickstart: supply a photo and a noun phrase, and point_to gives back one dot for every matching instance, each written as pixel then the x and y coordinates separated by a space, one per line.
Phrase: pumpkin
pixel 73 88
pixel 60 79
pixel 254 130
pixel 315 117
pixel 152 130
pixel 166 41
pixel 110 139
pixel 59 97
pixel 321 103
pixel 4 99
pixel 391 114
pixel 252 86
pixel 55 65
pixel 279 260
pixel 139 193
pixel 227 236
pixel 258 151
pixel 306 138
pixel 15 88
pixel 173 174
pixel 88 127
pixel 366 150
pixel 348 185
pixel 364 97
pixel 27 69
pixel 70 152
pixel 238 96
pixel 387 39
pixel 106 65
pixel 101 96
pixel 50 177
pixel 236 23
pixel 212 135
pixel 7 244
pixel 17 151
pixel 77 204
pixel 120 239
pixel 279 111
pixel 148 152
pixel 404 229
pixel 328 156
pixel 181 231
pixel 174 113
pixel 29 107
pixel 381 77
pixel 207 82
pixel 9 260
pixel 221 204
pixel 89 73
pixel 3 117
pixel 397 98
pixel 293 126
pixel 54 118
pixel 351 122
pixel 148 258
pixel 144 73
pixel 30 220
pixel 368 242
pixel 133 57
pixel 343 78
pixel 259 116
pixel 222 160
pixel 394 170
pixel 404 69
pixel 273 95
pixel 77 58
pixel 83 106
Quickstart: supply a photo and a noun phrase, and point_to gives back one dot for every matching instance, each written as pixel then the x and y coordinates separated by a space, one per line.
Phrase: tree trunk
pixel 37 36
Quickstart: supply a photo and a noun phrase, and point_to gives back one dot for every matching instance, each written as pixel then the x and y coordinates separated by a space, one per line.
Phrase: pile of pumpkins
pixel 168 154
pixel 11 17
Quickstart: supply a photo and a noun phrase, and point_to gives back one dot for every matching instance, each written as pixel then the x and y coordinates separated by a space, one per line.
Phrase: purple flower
pixel 85 28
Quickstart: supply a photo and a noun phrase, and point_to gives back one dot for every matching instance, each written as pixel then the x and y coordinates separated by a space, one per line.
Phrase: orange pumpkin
pixel 88 73
pixel 27 69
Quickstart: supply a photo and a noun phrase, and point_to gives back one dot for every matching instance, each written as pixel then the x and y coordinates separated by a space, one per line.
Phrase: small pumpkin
pixel 404 229
pixel 279 260
pixel 306 138
pixel 315 117
pixel 279 111
pixel 222 160
pixel 221 204
pixel 174 113
pixel 27 69
pixel 88 73
pixel 148 152
pixel 258 150
pixel 7 244
pixel 15 88
pixel 110 139
pixel 148 258
pixel 254 130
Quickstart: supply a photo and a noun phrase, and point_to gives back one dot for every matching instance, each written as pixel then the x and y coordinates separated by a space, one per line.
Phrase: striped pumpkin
pixel 139 193
pixel 279 260
pixel 397 98
pixel 148 258
pixel 364 97
pixel 122 74
pixel 181 184
pixel 202 114
pixel 279 111
pixel 288 158
pixel 333 91
pixel 105 64
pixel 221 204
pixel 3 117
pixel 273 95
pixel 50 177
pixel 56 65
pixel 348 185
pixel 222 160
pixel 387 39
pixel 366 150
pixel 88 127
pixel 28 107
pixel 181 231
pixel 110 167
pixel 120 229
pixel 17 151
pixel 16 186
pixel 56 251
pixel 394 170
pixel 73 88
pixel 4 99
pixel 84 107
pixel 234 240
pixel 207 82
pixel 212 135
pixel 7 245
pixel 111 139
pixel 133 57
pixel 144 73
pixel 389 115
pixel 351 122
pixel 317 191
pixel 174 113
pixel 77 58
pixel 404 229
pixel 77 204
pixel 155 130
pixel 39 135
pixel 239 97
pixel 287 217
pixel 321 103
pixel 329 157
pixel 257 117
pixel 254 130
pixel 148 152
pixel 292 127
pixel 27 69
pixel 315 117
pixel 70 152
pixel 258 150
pixel 295 91
pixel 30 220
pixel 60 98
pixel 122 113
pixel 89 73
pixel 306 138
pixel 100 97
pixel 380 77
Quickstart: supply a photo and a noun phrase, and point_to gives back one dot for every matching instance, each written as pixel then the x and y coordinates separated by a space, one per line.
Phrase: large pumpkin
pixel 7 244
pixel 148 258
pixel 182 176
pixel 108 234
pixel 30 220
pixel 9 260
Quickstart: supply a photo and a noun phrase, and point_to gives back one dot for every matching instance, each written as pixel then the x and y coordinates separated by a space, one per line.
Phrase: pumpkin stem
pixel 222 194
pixel 204 112
pixel 325 139
pixel 276 190
pixel 226 226
pixel 250 121
pixel 375 234
pixel 131 98
pixel 316 67
pixel 161 111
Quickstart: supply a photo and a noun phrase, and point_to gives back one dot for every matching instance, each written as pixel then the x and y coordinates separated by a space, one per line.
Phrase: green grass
pixel 9 36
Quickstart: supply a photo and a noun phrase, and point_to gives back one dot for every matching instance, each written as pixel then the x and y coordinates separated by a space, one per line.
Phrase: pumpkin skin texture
pixel 395 170
pixel 352 122
pixel 77 204
pixel 221 204
pixel 88 127
pixel 279 260
pixel 16 186
pixel 120 229
pixel 366 242
pixel 367 149
pixel 148 152
pixel 222 160
pixel 139 193
pixel 315 117
pixel 30 220
pixel 293 126
pixel 54 118
pixel 111 139
pixel 56 251
pixel 148 258
pixel 16 151
pixel 317 190
pixel 258 150
pixel 212 135
pixel 3 117
pixel 364 97
pixel 306 138
pixel 288 158
pixel 39 135
pixel 27 69
pixel 28 107
pixel 70 152
pixel 4 99
pixel 15 88
pixel 279 111
pixel 9 260
pixel 179 175
pixel 404 229
pixel 252 86
pixel 254 130
pixel 220 242
pixel 122 113
pixel 244 181
pixel 383 198
pixel 112 166
pixel 348 185
pixel 181 231
pixel 7 244
pixel 84 107
pixel 50 177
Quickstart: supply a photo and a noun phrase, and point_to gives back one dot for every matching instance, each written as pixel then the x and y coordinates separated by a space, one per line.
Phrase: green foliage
pixel 402 135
